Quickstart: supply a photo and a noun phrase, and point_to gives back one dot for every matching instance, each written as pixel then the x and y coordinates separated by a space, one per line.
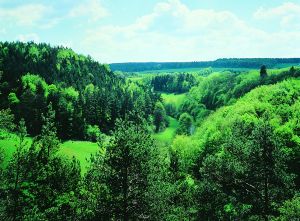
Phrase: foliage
pixel 253 63
pixel 241 162
pixel 160 118
pixel 263 71
pixel 121 179
pixel 82 91
pixel 36 179
pixel 173 83
pixel 93 133
pixel 290 210
pixel 6 120
pixel 221 89
pixel 185 124
pixel 249 151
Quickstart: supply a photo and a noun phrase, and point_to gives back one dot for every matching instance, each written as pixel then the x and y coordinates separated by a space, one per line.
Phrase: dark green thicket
pixel 83 92
pixel 173 83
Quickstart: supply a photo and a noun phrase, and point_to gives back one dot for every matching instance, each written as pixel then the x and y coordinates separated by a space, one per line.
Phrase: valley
pixel 79 140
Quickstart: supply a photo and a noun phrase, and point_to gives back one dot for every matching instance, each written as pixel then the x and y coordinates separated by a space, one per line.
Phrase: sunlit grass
pixel 169 133
pixel 175 99
pixel 81 150
pixel 9 146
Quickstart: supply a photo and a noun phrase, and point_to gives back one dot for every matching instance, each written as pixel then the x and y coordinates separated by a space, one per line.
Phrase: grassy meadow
pixel 82 150
pixel 175 99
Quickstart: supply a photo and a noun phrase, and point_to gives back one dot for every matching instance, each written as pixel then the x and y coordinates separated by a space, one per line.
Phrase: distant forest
pixel 219 63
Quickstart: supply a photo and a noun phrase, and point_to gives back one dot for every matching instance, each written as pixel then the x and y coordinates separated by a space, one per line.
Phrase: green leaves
pixel 185 124
pixel 160 117
pixel 6 120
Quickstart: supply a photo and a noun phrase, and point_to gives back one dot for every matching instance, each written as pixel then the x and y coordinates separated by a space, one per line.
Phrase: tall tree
pixel 160 117
pixel 49 139
pixel 263 71
pixel 127 159
pixel 185 124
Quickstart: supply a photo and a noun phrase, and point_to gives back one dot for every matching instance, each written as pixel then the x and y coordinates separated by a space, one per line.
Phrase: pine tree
pixel 49 140
pixel 160 117
pixel 127 160
pixel 263 71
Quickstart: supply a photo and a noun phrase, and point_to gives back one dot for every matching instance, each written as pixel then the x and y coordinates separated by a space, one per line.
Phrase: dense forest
pixel 83 92
pixel 234 154
pixel 219 63
pixel 173 83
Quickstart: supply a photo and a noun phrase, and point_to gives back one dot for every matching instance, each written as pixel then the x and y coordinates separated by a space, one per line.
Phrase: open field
pixel 82 150
pixel 168 134
pixel 175 99
pixel 9 146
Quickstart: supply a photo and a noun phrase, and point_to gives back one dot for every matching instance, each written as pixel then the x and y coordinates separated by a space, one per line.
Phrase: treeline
pixel 225 88
pixel 173 83
pixel 254 63
pixel 83 92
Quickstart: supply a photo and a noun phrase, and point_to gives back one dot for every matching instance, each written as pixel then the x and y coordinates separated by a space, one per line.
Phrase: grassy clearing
pixel 9 146
pixel 82 150
pixel 175 99
pixel 168 134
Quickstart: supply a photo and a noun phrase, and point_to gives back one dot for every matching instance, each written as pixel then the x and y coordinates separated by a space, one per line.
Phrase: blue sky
pixel 157 30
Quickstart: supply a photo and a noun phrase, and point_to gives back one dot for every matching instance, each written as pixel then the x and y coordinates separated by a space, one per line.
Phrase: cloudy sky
pixel 157 30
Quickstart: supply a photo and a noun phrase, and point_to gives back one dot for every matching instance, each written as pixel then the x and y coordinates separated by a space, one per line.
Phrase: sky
pixel 157 30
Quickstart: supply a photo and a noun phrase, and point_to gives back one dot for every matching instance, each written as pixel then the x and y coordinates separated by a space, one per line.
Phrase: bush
pixel 92 133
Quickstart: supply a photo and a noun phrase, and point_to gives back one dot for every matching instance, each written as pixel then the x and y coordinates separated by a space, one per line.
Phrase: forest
pixel 219 63
pixel 81 140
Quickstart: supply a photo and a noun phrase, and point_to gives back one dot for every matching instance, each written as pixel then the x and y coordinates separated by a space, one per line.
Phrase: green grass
pixel 175 99
pixel 81 150
pixel 168 134
pixel 9 146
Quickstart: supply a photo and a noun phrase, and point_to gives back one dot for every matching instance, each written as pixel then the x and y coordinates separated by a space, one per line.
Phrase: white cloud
pixel 174 32
pixel 26 15
pixel 282 10
pixel 288 14
pixel 28 37
pixel 3 31
pixel 93 9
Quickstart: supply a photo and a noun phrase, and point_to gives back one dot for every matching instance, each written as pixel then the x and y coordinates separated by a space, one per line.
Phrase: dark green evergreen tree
pixel 127 159
pixel 160 117
pixel 263 71
pixel 48 137
pixel 185 124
